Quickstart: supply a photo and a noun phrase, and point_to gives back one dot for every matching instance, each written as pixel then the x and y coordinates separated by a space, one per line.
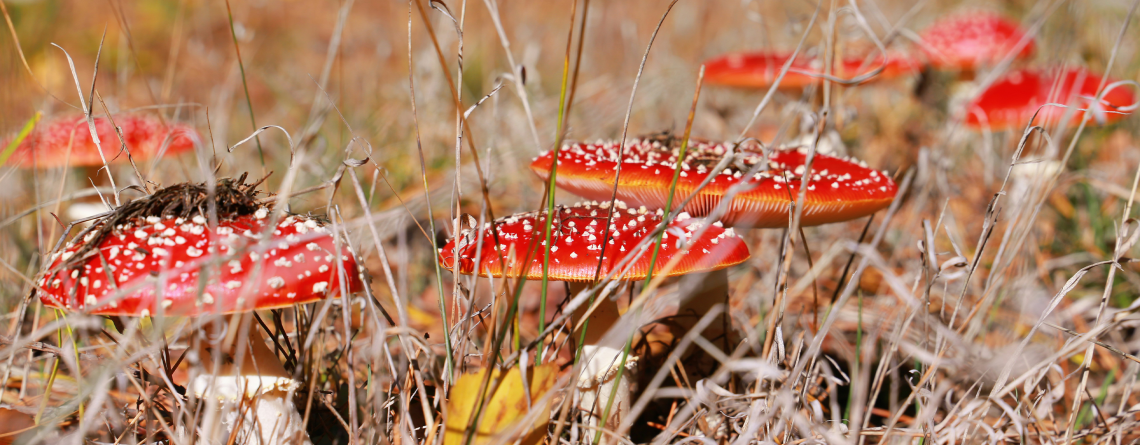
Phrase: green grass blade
pixel 668 216
pixel 19 139
pixel 551 183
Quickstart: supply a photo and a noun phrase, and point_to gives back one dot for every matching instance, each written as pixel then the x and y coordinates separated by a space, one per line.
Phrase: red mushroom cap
pixel 145 137
pixel 578 237
pixel 966 41
pixel 1011 101
pixel 759 69
pixel 840 189
pixel 123 274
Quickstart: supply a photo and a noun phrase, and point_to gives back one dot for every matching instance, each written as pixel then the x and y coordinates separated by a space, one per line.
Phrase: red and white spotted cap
pixel 971 40
pixel 182 267
pixel 1010 102
pixel 578 233
pixel 840 189
pixel 760 69
pixel 145 136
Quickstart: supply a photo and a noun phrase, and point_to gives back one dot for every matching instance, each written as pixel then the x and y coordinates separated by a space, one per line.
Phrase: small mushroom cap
pixel 48 145
pixel 181 267
pixel 1010 102
pixel 840 188
pixel 968 41
pixel 760 69
pixel 578 233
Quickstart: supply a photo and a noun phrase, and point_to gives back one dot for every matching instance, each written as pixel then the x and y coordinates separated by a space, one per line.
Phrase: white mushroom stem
pixel 830 143
pixel 85 210
pixel 961 93
pixel 697 294
pixel 596 381
pixel 255 402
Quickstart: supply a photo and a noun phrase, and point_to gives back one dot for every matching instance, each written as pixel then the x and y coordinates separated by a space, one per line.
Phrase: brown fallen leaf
pixel 12 424
pixel 503 409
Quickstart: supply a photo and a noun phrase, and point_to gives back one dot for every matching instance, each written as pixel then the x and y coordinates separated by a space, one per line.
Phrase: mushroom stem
pixel 601 362
pixel 601 320
pixel 967 74
pixel 697 294
pixel 92 205
pixel 263 412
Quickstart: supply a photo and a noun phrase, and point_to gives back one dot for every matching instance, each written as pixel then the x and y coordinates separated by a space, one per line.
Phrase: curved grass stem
pixel 669 216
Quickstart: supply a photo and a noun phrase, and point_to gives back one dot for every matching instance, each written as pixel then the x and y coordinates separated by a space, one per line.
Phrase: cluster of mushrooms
pixel 190 250
pixel 965 44
pixel 628 185
pixel 596 239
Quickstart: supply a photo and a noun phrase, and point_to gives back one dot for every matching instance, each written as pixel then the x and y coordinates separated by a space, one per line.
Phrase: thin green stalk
pixel 512 312
pixel 427 197
pixel 1086 411
pixel 24 132
pixel 78 370
pixel 244 84
pixel 51 377
pixel 551 183
pixel 668 211
pixel 438 274
pixel 47 391
pixel 456 192
pixel 668 216
pixel 565 112
pixel 515 336
pixel 858 353
pixel 617 380
pixel 500 337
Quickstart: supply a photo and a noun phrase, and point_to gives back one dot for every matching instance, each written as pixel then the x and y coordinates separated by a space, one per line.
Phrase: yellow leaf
pixel 503 409
pixel 420 317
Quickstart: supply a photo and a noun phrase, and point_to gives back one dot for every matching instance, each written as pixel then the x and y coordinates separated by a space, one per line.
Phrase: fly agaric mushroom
pixel 760 69
pixel 839 190
pixel 966 42
pixel 1011 101
pixel 67 141
pixel 150 256
pixel 579 234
